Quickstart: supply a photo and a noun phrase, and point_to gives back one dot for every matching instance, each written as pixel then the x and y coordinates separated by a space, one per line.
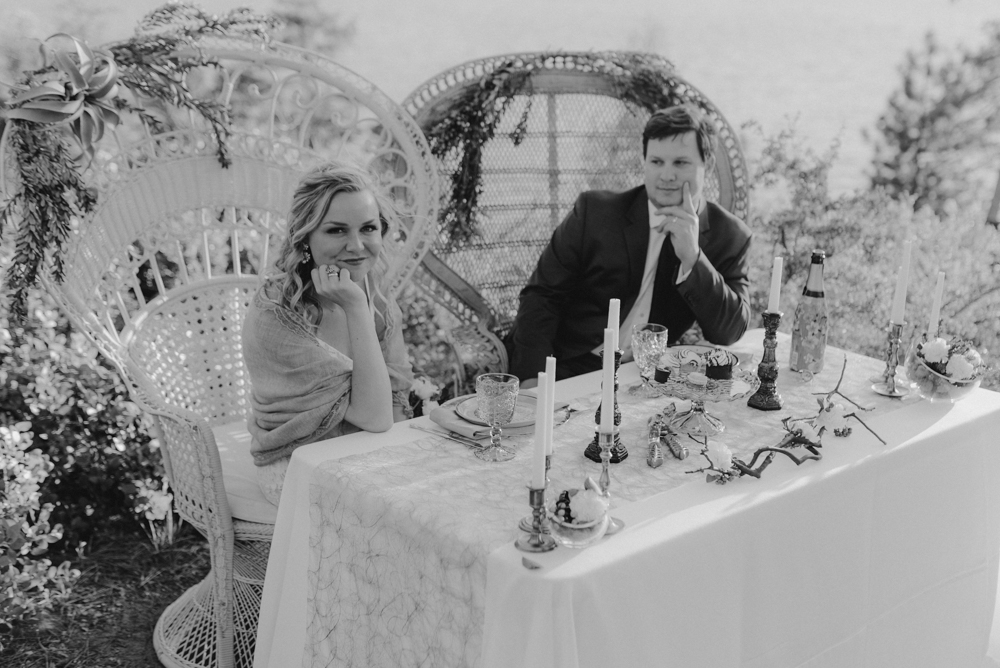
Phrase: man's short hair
pixel 677 120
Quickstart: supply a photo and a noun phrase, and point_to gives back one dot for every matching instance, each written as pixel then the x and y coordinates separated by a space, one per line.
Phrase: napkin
pixel 446 417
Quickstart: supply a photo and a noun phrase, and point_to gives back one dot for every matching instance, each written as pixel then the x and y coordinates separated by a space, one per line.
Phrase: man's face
pixel 669 164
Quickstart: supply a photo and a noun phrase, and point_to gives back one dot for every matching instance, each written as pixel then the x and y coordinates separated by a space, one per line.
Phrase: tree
pixel 939 138
pixel 309 26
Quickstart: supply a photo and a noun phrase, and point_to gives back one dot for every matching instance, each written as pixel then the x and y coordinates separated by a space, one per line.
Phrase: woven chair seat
pixel 572 133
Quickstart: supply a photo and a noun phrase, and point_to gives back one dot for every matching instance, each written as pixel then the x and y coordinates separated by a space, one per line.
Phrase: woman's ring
pixel 331 270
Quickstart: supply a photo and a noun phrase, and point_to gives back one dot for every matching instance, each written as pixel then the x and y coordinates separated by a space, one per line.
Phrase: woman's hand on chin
pixel 334 284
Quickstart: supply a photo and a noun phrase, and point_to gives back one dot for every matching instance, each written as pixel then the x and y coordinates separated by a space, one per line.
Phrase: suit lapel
pixel 636 233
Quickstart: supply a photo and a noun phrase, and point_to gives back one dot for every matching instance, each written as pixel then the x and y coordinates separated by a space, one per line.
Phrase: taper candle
pixel 550 401
pixel 607 425
pixel 775 296
pixel 538 455
pixel 614 313
pixel 899 298
pixel 932 326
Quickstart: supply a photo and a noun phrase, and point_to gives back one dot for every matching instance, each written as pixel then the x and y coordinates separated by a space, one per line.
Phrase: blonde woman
pixel 323 345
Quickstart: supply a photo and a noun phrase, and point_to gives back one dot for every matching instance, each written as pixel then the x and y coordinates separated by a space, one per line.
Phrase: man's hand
pixel 681 225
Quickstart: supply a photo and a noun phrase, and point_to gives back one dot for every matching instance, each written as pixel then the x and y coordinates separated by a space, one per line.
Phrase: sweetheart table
pixel 396 549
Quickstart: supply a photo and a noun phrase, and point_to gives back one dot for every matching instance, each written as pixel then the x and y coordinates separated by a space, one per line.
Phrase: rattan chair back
pixel 579 135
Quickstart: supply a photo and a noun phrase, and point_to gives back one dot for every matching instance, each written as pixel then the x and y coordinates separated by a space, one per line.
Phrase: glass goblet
pixel 496 396
pixel 649 342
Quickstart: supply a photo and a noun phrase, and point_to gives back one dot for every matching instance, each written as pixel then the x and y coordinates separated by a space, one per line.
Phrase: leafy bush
pixel 52 378
pixel 28 583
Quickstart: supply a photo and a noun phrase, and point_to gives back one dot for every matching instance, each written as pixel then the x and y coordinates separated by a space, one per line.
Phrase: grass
pixel 109 617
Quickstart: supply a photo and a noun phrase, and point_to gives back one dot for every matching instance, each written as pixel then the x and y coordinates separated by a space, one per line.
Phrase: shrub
pixel 28 582
pixel 78 409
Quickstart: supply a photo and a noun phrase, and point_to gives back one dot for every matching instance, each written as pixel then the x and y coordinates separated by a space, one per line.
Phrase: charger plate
pixel 524 411
pixel 742 384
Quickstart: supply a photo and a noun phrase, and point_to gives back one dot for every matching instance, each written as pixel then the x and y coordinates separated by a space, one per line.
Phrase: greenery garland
pixel 471 121
pixel 78 92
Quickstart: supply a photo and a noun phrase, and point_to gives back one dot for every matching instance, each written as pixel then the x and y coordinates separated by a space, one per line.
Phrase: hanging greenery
pixel 58 113
pixel 644 80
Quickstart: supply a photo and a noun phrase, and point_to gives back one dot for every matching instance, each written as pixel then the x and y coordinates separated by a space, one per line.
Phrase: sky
pixel 827 67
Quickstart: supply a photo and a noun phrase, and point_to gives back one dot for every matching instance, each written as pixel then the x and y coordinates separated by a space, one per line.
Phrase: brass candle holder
pixel 766 398
pixel 887 385
pixel 618 450
pixel 538 539
pixel 604 482
pixel 527 522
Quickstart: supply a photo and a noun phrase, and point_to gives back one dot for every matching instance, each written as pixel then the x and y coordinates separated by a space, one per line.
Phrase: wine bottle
pixel 809 329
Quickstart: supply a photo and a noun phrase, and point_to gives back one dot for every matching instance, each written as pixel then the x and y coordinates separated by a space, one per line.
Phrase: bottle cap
pixel 818 256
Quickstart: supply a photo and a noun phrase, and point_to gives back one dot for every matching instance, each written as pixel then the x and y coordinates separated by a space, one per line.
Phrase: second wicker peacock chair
pixel 573 123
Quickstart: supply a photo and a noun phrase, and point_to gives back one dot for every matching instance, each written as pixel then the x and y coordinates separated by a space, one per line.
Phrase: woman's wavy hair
pixel 310 203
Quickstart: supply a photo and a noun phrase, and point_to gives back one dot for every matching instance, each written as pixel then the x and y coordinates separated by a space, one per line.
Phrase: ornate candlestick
pixel 887 386
pixel 766 398
pixel 604 482
pixel 538 539
pixel 618 451
pixel 527 522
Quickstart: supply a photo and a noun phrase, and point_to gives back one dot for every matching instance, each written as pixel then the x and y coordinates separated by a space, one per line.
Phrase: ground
pixel 108 620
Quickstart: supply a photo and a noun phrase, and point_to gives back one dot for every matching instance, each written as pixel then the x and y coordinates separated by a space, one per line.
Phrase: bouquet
pixel 944 370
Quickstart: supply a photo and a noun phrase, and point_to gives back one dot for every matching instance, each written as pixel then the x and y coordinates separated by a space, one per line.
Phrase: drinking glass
pixel 649 342
pixel 496 395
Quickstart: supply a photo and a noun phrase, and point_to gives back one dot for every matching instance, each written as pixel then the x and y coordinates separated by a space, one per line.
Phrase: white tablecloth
pixel 875 556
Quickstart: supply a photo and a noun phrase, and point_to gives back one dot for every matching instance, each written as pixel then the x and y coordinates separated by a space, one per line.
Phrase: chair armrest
pixel 477 350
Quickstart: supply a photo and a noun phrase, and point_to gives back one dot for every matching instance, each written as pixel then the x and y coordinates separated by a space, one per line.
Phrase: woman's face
pixel 350 235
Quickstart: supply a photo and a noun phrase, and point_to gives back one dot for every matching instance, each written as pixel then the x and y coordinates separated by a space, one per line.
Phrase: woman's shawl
pixel 300 386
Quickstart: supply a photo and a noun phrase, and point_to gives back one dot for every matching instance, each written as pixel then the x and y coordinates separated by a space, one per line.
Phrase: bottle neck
pixel 814 284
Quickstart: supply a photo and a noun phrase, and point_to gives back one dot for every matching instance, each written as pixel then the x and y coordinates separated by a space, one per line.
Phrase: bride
pixel 323 345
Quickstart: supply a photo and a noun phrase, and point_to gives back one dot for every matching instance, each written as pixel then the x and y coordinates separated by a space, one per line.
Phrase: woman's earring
pixel 306 256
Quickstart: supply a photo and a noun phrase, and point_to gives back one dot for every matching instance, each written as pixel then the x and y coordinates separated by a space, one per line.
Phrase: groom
pixel 667 253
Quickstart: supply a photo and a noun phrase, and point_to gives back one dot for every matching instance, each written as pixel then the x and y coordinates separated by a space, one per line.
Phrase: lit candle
pixel 607 425
pixel 614 311
pixel 550 401
pixel 538 458
pixel 773 299
pixel 932 326
pixel 899 299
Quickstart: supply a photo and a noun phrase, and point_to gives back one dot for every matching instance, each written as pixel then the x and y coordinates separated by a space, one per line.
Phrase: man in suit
pixel 667 253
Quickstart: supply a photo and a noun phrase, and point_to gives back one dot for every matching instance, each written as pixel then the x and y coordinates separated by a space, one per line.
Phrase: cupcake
pixel 667 365
pixel 719 364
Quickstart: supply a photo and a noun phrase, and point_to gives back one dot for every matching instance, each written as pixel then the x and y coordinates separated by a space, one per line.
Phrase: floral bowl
pixel 935 386
pixel 578 535
pixel 589 506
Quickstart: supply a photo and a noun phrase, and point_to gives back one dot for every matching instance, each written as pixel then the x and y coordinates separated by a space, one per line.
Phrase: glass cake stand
pixel 697 421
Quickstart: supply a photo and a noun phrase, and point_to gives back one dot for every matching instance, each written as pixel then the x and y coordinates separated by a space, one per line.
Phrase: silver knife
pixel 451 436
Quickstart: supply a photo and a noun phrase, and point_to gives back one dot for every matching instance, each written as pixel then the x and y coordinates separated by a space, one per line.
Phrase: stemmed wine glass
pixel 649 342
pixel 496 396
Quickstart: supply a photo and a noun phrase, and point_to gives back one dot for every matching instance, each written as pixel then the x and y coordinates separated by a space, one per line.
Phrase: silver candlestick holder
pixel 527 522
pixel 886 385
pixel 538 539
pixel 607 442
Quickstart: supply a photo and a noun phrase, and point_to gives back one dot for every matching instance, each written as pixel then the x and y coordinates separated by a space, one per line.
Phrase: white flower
pixel 974 358
pixel 959 368
pixel 935 351
pixel 720 456
pixel 807 431
pixel 832 417
pixel 423 388
pixel 429 405
pixel 587 506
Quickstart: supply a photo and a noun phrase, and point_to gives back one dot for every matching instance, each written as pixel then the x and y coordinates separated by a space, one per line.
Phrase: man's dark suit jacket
pixel 599 253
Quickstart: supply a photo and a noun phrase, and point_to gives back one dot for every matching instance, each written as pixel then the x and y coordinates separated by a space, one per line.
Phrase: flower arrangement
pixel 427 393
pixel 59 112
pixel 944 369
pixel 155 505
pixel 806 432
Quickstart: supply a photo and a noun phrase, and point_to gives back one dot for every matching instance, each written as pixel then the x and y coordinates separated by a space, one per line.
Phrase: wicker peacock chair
pixel 160 274
pixel 575 125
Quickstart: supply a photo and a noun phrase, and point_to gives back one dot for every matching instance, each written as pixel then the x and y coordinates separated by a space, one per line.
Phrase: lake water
pixel 830 65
